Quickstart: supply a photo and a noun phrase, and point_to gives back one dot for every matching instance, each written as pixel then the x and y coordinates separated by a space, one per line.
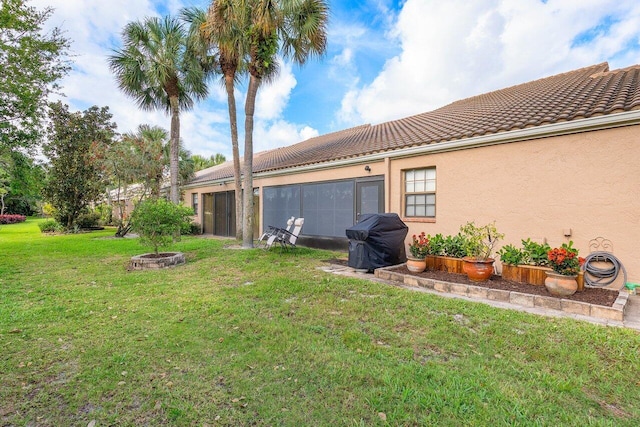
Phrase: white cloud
pixel 94 27
pixel 274 96
pixel 455 49
pixel 279 133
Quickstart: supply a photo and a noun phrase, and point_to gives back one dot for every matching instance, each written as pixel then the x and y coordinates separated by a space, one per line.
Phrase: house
pixel 555 159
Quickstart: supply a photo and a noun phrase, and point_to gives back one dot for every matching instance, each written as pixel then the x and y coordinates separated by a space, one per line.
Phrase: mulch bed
pixel 597 296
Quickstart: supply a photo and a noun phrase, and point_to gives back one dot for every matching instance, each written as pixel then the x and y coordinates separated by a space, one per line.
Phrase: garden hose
pixel 596 277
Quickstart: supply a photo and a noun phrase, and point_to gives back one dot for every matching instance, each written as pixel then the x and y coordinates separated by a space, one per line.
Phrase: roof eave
pixel 627 118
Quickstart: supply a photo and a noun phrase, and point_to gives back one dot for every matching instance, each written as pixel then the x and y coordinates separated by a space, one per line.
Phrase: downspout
pixel 387 184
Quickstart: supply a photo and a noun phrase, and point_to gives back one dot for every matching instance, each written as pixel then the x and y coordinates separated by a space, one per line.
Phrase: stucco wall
pixel 588 183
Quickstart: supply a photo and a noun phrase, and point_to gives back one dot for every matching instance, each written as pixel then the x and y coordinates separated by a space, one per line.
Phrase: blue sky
pixel 385 60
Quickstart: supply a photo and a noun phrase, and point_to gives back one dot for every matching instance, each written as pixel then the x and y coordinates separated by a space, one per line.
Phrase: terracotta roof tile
pixel 581 93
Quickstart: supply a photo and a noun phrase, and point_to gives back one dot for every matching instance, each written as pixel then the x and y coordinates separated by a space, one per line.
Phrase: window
pixel 420 193
pixel 194 203
pixel 327 208
pixel 280 204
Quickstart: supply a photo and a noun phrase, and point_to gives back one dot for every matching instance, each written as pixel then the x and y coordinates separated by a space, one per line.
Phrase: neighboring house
pixel 124 197
pixel 554 160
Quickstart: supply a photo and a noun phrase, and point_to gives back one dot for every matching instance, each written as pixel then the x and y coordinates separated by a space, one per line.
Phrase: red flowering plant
pixel 419 246
pixel 565 260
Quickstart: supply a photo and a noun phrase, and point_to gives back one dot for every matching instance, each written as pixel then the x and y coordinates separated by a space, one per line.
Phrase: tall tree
pixel 201 162
pixel 74 179
pixel 31 62
pixel 297 29
pixel 157 68
pixel 21 182
pixel 136 166
pixel 219 30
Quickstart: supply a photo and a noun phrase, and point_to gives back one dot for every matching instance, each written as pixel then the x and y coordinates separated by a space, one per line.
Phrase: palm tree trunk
pixel 233 121
pixel 175 145
pixel 249 108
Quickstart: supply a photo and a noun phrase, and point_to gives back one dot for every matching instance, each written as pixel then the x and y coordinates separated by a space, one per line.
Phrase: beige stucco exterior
pixel 571 187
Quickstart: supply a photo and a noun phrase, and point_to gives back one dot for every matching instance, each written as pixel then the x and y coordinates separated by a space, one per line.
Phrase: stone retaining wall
pixel 147 262
pixel 616 312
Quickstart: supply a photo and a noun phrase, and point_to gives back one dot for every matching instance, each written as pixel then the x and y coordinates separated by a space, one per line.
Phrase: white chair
pixel 274 230
pixel 286 238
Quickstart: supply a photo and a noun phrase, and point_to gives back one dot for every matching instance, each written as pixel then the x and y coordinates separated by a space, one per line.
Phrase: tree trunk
pixel 249 108
pixel 233 121
pixel 175 146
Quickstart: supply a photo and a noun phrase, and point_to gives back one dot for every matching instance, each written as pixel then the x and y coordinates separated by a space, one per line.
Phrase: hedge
pixel 12 219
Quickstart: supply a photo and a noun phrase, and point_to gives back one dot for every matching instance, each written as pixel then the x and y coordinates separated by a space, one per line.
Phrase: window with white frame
pixel 194 203
pixel 420 193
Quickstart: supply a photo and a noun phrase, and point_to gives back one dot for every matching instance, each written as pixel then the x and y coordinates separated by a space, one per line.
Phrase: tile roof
pixel 582 93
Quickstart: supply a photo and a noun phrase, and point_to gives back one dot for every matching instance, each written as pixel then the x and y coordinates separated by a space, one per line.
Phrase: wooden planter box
pixel 445 263
pixel 531 274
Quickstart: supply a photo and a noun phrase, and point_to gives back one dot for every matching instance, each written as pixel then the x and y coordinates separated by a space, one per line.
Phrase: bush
pixel 88 220
pixel 106 213
pixel 50 226
pixel 49 210
pixel 12 219
pixel 454 246
pixel 531 253
pixel 191 229
pixel 158 222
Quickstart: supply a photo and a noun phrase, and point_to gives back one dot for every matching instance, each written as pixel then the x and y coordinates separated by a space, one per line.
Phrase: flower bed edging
pixel 616 312
pixel 148 262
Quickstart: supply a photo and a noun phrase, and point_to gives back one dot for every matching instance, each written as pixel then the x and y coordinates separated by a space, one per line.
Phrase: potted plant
pixel 479 242
pixel 527 264
pixel 158 223
pixel 445 253
pixel 419 248
pixel 566 264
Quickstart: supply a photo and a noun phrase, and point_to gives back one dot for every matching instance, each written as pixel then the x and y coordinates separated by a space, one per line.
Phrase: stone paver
pixel 503 299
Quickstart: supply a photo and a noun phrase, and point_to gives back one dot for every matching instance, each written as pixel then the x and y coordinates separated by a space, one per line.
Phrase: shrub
pixel 536 252
pixel 88 220
pixel 454 246
pixel 436 244
pixel 158 222
pixel 531 253
pixel 12 219
pixel 479 240
pixel 50 226
pixel 191 229
pixel 49 210
pixel 511 255
pixel 106 213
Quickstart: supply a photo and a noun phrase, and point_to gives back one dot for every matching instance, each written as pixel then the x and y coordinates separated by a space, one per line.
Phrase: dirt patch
pixel 603 297
pixel 158 255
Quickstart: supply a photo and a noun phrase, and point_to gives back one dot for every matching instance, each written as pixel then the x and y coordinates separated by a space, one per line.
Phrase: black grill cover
pixel 377 240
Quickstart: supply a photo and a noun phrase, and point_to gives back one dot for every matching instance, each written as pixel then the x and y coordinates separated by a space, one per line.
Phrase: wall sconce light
pixel 367 168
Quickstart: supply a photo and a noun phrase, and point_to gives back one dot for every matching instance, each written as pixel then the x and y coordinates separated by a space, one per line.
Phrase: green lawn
pixel 261 338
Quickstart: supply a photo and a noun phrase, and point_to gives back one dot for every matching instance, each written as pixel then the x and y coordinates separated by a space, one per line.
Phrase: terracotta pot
pixel 478 270
pixel 560 285
pixel 416 265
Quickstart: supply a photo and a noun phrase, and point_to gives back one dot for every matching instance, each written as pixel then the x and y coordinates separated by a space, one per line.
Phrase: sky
pixel 385 60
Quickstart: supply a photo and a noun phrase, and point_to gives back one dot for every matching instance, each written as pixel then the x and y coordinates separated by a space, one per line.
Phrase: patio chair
pixel 286 238
pixel 272 230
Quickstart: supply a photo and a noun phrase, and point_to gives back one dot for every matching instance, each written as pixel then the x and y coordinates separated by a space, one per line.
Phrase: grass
pixel 249 337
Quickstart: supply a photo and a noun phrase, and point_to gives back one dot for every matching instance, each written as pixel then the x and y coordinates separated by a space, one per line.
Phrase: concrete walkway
pixel 631 312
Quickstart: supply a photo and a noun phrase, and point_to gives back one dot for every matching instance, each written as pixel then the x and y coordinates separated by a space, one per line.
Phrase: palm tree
pixel 220 29
pixel 296 28
pixel 157 69
pixel 202 162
